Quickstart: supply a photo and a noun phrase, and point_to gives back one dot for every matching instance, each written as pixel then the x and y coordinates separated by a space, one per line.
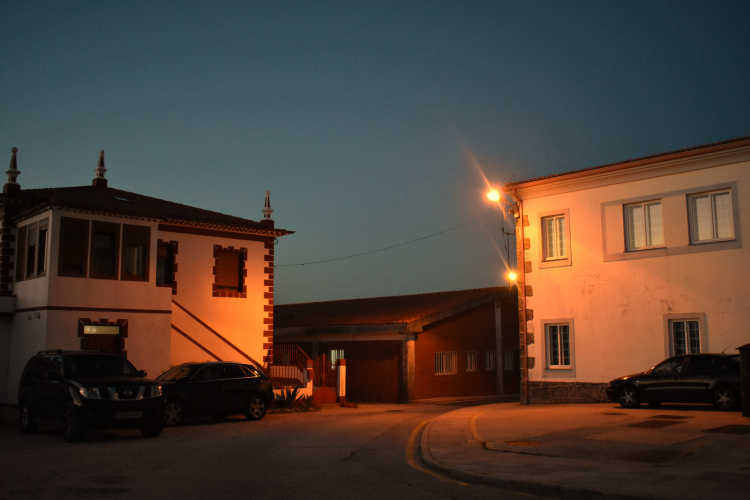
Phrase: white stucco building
pixel 629 263
pixel 100 268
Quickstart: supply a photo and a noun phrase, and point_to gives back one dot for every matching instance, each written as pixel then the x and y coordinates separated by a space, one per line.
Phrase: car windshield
pixel 93 365
pixel 175 373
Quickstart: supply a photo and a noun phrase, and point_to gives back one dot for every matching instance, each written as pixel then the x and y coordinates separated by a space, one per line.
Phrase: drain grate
pixel 740 430
pixel 671 417
pixel 523 443
pixel 655 456
pixel 653 424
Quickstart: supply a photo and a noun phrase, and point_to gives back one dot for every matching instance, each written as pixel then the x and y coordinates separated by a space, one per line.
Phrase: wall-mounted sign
pixel 101 330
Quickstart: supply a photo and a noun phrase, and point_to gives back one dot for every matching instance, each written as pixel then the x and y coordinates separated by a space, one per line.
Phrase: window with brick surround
pixel 229 272
pixel 166 264
pixel 74 246
pixel 445 363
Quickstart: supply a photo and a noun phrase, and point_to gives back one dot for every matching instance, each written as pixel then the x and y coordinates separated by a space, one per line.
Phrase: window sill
pixel 128 277
pixel 706 242
pixel 644 249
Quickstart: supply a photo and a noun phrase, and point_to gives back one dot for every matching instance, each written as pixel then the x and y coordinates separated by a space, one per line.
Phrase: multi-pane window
pixel 558 346
pixel 335 355
pixel 31 251
pixel 489 360
pixel 553 234
pixel 74 243
pixel 711 217
pixel 445 363
pixel 471 361
pixel 105 250
pixel 644 225
pixel 136 241
pixel 685 336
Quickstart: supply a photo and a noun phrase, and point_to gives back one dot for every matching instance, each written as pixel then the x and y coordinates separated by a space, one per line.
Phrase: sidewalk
pixel 596 450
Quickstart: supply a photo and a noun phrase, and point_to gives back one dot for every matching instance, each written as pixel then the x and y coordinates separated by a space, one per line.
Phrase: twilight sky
pixel 370 122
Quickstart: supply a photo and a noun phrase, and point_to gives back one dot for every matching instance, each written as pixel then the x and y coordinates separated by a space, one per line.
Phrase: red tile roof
pixel 659 155
pixel 374 311
pixel 119 202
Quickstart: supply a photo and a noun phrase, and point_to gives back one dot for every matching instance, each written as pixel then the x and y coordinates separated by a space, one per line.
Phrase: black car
pixel 88 390
pixel 689 378
pixel 215 388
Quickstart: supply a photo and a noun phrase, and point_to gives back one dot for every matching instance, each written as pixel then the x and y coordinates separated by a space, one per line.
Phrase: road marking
pixel 410 454
pixel 473 427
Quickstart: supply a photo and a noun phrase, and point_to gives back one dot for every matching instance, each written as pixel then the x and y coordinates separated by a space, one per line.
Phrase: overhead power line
pixel 392 246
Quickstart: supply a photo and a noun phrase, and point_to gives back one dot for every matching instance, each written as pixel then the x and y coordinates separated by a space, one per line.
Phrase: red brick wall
pixel 373 369
pixel 473 330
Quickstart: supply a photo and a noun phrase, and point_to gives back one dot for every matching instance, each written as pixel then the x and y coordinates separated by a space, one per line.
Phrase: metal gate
pixel 324 381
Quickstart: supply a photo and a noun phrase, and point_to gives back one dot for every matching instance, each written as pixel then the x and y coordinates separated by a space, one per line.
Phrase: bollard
pixel 341 381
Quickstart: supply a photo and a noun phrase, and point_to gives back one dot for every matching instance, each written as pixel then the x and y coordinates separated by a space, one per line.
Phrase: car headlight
pixel 90 392
pixel 155 391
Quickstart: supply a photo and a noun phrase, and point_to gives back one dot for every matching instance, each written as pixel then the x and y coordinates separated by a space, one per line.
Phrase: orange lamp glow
pixel 493 195
pixel 512 276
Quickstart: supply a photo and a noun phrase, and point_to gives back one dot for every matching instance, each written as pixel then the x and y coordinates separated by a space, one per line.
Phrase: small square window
pixel 643 225
pixel 711 217
pixel 445 363
pixel 471 361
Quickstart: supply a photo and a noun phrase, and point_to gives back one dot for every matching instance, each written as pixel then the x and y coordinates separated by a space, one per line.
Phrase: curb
pixel 512 484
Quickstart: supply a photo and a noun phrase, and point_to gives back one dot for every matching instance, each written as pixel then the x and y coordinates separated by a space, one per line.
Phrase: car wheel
pixel 628 397
pixel 256 409
pixel 724 398
pixel 73 429
pixel 173 414
pixel 152 428
pixel 26 419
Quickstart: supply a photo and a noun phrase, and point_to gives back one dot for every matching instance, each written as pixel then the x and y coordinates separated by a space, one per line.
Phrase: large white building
pixel 624 265
pixel 93 267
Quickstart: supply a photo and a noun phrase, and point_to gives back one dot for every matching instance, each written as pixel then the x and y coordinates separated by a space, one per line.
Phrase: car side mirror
pixel 142 373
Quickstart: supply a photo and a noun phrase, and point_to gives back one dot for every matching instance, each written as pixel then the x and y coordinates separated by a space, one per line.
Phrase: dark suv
pixel 88 389
pixel 215 388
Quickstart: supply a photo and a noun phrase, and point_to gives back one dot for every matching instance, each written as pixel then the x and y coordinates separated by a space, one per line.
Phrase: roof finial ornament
pixel 12 186
pixel 267 210
pixel 99 180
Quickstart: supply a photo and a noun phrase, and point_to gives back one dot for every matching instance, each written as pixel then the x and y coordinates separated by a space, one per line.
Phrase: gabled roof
pixel 695 150
pixel 106 200
pixel 378 310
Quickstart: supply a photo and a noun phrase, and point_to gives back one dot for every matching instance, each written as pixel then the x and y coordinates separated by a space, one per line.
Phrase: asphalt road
pixel 359 453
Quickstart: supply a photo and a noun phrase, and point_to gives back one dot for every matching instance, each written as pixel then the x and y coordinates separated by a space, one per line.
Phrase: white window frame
pixel 550 370
pixel 669 322
pixel 471 361
pixel 489 361
pixel 647 227
pixel 692 216
pixel 557 260
pixel 445 363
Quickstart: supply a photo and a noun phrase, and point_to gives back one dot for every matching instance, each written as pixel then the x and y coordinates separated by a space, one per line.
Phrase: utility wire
pixel 392 246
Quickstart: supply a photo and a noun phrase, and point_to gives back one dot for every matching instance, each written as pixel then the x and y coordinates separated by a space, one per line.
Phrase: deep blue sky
pixel 362 118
